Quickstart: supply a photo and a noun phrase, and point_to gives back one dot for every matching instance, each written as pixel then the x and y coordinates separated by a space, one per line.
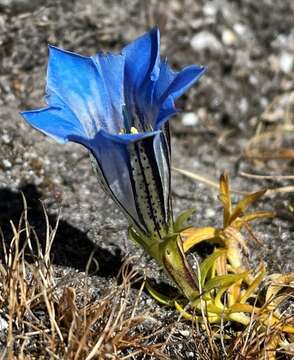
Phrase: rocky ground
pixel 248 47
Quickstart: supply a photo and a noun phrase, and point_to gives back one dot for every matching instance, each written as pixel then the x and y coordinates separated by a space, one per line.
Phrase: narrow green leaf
pixel 253 286
pixel 223 281
pixel 194 236
pixel 136 238
pixel 182 218
pixel 208 263
pixel 245 203
pixel 225 197
pixel 162 299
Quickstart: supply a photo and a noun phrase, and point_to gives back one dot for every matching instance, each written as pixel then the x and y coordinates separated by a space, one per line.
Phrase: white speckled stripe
pixel 148 187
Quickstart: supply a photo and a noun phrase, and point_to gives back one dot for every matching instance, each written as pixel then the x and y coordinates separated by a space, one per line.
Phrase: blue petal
pixel 79 83
pixel 142 67
pixel 56 122
pixel 142 58
pixel 166 77
pixel 111 68
pixel 166 111
pixel 134 176
pixel 171 86
pixel 183 80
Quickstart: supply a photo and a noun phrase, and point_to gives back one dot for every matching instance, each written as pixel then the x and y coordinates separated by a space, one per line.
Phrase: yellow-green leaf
pixel 162 299
pixel 208 263
pixel 223 281
pixel 244 203
pixel 194 236
pixel 182 218
pixel 225 197
pixel 212 318
pixel 238 223
pixel 254 285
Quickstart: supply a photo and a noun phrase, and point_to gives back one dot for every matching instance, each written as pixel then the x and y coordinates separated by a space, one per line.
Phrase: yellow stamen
pixel 134 130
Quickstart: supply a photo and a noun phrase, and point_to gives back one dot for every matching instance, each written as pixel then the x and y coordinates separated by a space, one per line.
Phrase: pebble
pixel 210 213
pixel 184 333
pixel 243 105
pixel 21 5
pixel 3 324
pixel 6 163
pixel 286 62
pixel 209 9
pixel 205 40
pixel 229 38
pixel 190 119
pixel 5 138
pixel 240 29
pixel 190 355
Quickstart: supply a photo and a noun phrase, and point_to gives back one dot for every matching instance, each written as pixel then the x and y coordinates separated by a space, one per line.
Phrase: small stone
pixel 240 29
pixel 253 80
pixel 210 213
pixel 190 119
pixel 5 138
pixel 20 6
pixel 243 105
pixel 229 38
pixel 202 114
pixel 205 41
pixel 209 9
pixel 286 62
pixel 184 333
pixel 6 163
pixel 3 324
pixel 190 355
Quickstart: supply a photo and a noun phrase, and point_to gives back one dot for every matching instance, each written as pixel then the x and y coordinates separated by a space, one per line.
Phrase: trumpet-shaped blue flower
pixel 117 106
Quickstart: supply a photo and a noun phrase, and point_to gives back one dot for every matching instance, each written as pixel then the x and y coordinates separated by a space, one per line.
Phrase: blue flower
pixel 117 106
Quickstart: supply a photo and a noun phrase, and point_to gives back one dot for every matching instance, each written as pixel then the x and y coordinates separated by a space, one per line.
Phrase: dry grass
pixel 44 316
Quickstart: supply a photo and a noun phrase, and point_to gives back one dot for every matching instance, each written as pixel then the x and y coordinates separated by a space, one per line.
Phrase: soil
pixel 249 52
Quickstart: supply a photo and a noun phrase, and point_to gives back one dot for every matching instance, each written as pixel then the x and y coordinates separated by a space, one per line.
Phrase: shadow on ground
pixel 71 247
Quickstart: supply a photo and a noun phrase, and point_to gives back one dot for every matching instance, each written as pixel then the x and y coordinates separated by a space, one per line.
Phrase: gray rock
pixel 286 62
pixel 205 40
pixel 19 6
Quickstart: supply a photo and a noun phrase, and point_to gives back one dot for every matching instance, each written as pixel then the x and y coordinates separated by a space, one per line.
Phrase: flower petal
pixel 183 80
pixel 142 58
pixel 79 83
pixel 56 122
pixel 171 86
pixel 142 67
pixel 135 176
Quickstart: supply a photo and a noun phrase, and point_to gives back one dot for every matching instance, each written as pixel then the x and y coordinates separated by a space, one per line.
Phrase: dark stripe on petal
pixel 149 187
pixel 135 195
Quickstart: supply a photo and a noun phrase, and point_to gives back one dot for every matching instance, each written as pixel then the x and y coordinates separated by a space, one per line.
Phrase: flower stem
pixel 174 262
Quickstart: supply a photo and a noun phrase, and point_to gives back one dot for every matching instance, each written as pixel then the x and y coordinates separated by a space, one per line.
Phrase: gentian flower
pixel 117 106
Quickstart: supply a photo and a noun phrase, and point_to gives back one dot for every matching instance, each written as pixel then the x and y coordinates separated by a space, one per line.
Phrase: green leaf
pixel 136 238
pixel 182 218
pixel 244 203
pixel 162 299
pixel 211 317
pixel 194 236
pixel 253 286
pixel 225 197
pixel 208 263
pixel 223 281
